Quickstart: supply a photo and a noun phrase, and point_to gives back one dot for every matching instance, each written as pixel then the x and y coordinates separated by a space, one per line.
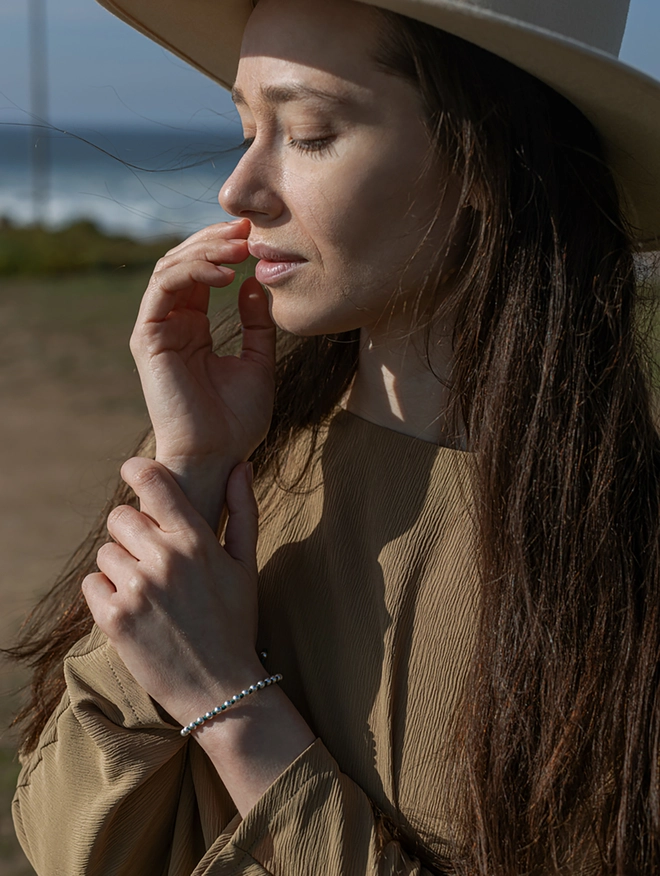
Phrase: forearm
pixel 253 742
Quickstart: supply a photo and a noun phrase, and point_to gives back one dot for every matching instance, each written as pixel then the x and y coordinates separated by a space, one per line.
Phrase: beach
pixel 147 182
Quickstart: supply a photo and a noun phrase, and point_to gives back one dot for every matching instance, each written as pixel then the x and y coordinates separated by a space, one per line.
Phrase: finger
pixel 215 251
pixel 164 289
pixel 258 327
pixel 134 531
pixel 236 228
pixel 115 561
pixel 243 525
pixel 97 590
pixel 160 496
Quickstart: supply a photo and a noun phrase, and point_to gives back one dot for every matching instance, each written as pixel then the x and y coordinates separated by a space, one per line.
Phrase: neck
pixel 397 387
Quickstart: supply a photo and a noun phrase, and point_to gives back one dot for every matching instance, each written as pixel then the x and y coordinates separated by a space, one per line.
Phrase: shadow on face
pixel 337 178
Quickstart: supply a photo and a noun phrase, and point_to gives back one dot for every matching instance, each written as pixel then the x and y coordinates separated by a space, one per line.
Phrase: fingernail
pixel 249 474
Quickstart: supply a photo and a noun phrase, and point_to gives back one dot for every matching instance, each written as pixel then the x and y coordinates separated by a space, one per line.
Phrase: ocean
pixel 142 182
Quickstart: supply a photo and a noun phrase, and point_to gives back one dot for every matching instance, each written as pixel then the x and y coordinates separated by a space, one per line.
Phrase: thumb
pixel 243 524
pixel 258 327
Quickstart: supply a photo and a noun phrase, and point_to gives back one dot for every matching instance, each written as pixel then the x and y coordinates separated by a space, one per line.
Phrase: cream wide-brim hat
pixel 572 45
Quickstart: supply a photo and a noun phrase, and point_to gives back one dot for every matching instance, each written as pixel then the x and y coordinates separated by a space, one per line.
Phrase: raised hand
pixel 180 609
pixel 208 412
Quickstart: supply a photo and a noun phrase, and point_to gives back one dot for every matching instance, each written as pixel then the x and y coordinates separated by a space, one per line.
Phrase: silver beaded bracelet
pixel 273 679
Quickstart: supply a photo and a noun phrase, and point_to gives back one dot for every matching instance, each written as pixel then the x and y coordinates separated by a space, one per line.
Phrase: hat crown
pixel 596 23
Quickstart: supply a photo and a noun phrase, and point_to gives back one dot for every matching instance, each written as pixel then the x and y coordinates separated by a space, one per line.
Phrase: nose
pixel 252 189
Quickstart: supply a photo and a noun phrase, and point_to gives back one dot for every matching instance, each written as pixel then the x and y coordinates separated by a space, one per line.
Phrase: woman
pixel 455 601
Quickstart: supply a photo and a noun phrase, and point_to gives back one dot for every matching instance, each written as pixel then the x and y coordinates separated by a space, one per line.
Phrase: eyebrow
pixel 276 94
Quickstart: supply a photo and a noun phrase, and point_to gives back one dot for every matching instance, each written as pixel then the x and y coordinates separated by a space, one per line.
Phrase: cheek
pixel 365 212
pixel 364 218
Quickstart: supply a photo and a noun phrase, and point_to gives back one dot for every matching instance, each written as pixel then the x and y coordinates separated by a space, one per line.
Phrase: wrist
pixel 252 743
pixel 192 703
pixel 202 467
pixel 203 480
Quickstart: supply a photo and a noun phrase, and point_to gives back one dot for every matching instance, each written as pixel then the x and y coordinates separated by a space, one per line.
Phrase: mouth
pixel 269 273
pixel 274 265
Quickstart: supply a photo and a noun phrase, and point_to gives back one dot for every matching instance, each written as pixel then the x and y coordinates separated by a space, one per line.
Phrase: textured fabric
pixel 367 606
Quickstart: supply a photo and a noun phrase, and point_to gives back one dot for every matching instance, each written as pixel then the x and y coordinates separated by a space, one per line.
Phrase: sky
pixel 102 72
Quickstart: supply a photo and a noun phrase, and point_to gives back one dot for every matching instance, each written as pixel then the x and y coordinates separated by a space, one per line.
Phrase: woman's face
pixel 334 177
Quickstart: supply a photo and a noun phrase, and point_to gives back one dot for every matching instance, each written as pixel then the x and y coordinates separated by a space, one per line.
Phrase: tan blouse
pixel 367 606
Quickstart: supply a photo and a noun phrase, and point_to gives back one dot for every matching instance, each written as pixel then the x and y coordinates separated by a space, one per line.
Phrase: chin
pixel 308 326
pixel 297 318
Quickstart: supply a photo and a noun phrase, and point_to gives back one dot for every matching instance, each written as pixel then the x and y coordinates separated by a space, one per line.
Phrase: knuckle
pixel 140 471
pixel 146 473
pixel 118 515
pixel 117 619
pixel 105 550
pixel 135 341
pixel 139 586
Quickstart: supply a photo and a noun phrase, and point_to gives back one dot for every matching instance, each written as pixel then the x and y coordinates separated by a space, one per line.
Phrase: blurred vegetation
pixel 81 246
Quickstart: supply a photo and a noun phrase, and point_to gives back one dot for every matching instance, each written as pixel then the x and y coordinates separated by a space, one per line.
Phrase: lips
pixel 275 266
pixel 269 254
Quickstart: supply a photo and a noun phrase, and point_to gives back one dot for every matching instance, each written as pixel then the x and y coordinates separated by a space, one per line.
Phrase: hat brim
pixel 622 103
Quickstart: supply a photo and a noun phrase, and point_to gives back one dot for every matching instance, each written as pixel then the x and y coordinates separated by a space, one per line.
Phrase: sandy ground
pixel 71 410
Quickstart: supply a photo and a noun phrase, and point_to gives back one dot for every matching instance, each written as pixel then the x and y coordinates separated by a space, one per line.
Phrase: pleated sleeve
pixel 313 819
pixel 112 788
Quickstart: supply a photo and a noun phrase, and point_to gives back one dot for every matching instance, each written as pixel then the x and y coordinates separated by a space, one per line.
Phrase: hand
pixel 180 609
pixel 208 411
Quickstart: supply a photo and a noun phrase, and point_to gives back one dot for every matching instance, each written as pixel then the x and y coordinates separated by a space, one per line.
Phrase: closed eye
pixel 321 144
pixel 317 145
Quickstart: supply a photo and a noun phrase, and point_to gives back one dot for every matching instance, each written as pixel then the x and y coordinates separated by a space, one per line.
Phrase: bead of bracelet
pixel 259 685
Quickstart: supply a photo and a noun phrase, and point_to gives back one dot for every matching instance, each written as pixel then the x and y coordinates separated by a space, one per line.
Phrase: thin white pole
pixel 39 108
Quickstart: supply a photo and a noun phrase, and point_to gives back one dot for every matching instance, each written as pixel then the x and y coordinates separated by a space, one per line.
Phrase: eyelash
pixel 316 147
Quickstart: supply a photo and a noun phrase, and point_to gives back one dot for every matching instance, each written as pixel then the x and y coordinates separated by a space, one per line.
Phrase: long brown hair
pixel 558 753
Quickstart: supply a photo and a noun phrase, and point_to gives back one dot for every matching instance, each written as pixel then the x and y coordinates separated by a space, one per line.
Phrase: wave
pixel 174 191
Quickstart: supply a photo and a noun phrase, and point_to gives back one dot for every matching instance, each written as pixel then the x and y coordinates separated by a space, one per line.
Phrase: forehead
pixel 317 42
pixel 340 95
